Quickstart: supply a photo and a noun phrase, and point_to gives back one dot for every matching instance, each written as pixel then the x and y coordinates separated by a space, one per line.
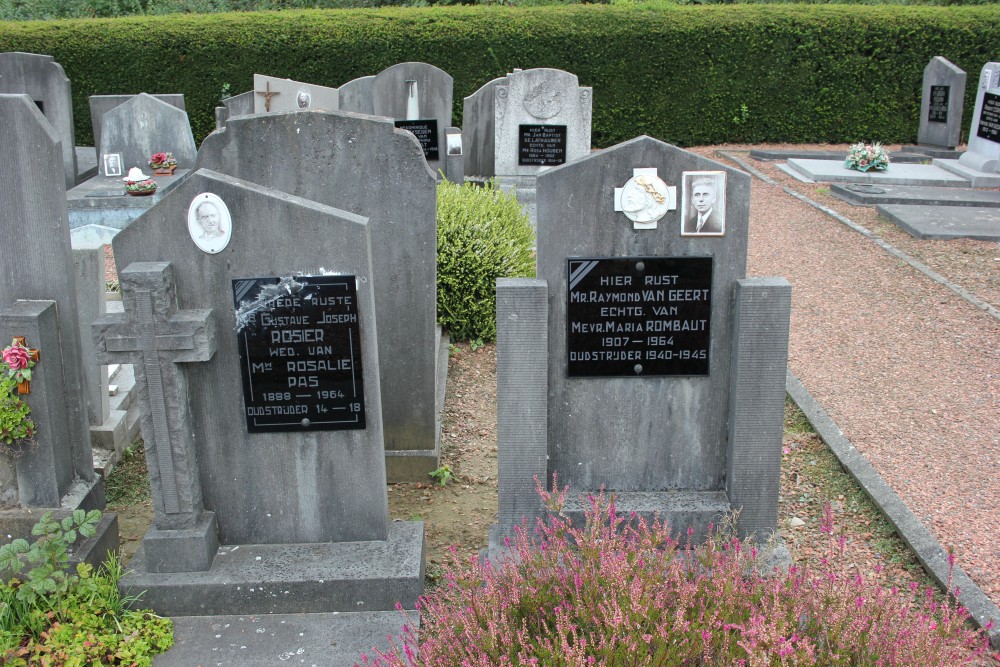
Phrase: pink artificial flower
pixel 158 158
pixel 16 357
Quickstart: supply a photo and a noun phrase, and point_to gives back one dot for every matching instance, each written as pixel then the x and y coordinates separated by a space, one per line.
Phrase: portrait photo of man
pixel 704 209
pixel 209 223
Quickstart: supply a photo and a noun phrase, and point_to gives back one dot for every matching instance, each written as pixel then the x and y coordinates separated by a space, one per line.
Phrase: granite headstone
pixel 478 131
pixel 941 104
pixel 418 97
pixel 101 104
pixel 364 165
pixel 43 80
pixel 983 152
pixel 356 95
pixel 142 126
pixel 272 94
pixel 641 359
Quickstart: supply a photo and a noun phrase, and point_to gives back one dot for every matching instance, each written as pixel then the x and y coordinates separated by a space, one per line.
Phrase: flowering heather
pixel 621 591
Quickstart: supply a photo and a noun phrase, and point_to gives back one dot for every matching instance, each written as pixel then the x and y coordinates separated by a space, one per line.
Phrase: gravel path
pixel 909 370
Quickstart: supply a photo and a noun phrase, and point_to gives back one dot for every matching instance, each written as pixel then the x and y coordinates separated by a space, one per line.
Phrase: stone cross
pixel 267 96
pixel 155 336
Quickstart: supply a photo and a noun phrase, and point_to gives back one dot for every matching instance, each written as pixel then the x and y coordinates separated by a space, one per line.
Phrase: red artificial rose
pixel 16 357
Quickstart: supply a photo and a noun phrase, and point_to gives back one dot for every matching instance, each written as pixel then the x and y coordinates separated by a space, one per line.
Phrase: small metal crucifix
pixel 268 94
pixel 25 386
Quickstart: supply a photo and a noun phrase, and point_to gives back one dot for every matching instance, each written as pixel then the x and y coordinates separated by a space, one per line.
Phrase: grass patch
pixel 128 483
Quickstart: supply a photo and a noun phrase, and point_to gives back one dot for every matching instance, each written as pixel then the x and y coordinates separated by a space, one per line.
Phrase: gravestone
pixel 142 126
pixel 272 94
pixel 43 80
pixel 38 302
pixel 101 104
pixel 356 95
pixel 983 153
pixel 941 104
pixel 642 359
pixel 364 165
pixel 417 96
pixel 237 105
pixel 261 412
pixel 541 119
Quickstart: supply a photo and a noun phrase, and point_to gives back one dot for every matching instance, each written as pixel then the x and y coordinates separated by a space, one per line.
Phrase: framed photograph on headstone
pixel 703 212
pixel 454 144
pixel 112 164
pixel 209 223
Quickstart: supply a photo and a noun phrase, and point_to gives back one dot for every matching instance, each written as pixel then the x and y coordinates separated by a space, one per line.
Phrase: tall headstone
pixel 356 95
pixel 142 126
pixel 417 96
pixel 43 80
pixel 101 104
pixel 941 104
pixel 272 95
pixel 38 303
pixel 261 410
pixel 478 131
pixel 641 359
pixel 237 105
pixel 364 165
pixel 983 152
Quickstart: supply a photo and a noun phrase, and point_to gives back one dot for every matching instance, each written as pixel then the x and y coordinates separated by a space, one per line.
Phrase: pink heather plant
pixel 621 591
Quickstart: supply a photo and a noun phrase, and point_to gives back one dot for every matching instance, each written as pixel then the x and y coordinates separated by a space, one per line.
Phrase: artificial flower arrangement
pixel 16 426
pixel 138 183
pixel 163 163
pixel 863 157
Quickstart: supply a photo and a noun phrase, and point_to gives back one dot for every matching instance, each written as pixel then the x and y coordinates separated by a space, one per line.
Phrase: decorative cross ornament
pixel 268 94
pixel 24 387
pixel 645 198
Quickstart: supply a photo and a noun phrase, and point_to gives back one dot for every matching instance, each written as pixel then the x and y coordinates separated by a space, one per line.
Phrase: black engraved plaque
pixel 638 316
pixel 300 353
pixel 937 112
pixel 426 132
pixel 541 145
pixel 989 118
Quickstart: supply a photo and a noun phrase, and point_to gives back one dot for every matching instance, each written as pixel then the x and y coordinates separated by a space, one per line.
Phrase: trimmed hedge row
pixel 687 74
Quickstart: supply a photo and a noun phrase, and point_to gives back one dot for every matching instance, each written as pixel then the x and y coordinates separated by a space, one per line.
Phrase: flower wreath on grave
pixel 17 430
pixel 138 183
pixel 862 156
pixel 163 163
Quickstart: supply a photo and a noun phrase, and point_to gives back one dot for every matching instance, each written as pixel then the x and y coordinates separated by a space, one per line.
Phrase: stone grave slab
pixel 101 104
pixel 641 359
pixel 38 302
pixel 372 169
pixel 206 312
pixel 941 103
pixel 42 79
pixel 272 94
pixel 418 97
pixel 103 202
pixel 866 194
pixel 901 157
pixel 141 126
pixel 834 171
pixel 945 222
pixel 356 95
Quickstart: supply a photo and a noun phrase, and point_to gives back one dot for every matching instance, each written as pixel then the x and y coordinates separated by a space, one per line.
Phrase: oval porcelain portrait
pixel 209 223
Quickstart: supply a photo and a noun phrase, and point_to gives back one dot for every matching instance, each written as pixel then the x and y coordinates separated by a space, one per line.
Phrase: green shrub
pixel 482 235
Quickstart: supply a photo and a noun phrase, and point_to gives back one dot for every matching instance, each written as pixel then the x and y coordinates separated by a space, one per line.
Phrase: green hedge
pixel 685 74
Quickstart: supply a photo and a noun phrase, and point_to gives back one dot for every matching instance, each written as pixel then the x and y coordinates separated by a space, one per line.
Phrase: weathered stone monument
pixel 356 95
pixel 237 105
pixel 642 359
pixel 141 126
pixel 981 162
pixel 101 104
pixel 540 118
pixel 418 97
pixel 941 105
pixel 38 303
pixel 251 321
pixel 43 80
pixel 364 165
pixel 271 94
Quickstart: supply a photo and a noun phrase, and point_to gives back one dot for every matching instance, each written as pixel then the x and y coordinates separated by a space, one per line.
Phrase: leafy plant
pixel 621 591
pixel 15 420
pixel 482 235
pixel 442 475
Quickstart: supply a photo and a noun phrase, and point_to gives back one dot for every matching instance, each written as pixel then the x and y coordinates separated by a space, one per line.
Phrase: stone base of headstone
pixel 291 578
pixel 183 550
pixel 978 171
pixel 682 510
pixel 414 465
pixel 944 222
pixel 936 152
pixel 17 524
pixel 523 187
